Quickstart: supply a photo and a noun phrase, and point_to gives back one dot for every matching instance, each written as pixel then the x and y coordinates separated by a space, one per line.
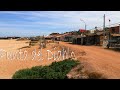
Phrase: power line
pixel 107 25
pixel 101 19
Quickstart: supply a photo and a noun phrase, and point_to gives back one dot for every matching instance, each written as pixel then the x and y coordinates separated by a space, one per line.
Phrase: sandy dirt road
pixel 98 59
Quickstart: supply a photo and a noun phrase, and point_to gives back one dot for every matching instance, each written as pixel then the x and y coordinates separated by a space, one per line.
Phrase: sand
pixel 94 58
pixel 9 65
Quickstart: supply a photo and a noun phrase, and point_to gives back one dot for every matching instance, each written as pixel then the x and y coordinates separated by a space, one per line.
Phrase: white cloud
pixel 70 20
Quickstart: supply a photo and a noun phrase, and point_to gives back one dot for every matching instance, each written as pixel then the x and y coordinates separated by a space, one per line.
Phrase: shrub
pixel 79 72
pixel 95 75
pixel 63 66
pixel 33 43
pixel 57 70
pixel 25 74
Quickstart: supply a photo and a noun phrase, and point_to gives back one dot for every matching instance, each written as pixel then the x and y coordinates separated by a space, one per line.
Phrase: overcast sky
pixel 31 23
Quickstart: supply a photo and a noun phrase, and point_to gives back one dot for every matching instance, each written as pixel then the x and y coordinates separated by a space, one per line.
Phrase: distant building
pixel 92 31
pixel 82 30
pixel 9 37
pixel 54 34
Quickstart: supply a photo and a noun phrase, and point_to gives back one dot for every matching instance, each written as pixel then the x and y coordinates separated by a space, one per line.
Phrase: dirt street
pixel 94 58
pixel 98 59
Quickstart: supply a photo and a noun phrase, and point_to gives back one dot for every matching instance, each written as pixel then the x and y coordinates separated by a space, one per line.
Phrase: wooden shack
pixel 68 38
pixel 90 39
pixel 99 38
pixel 80 40
pixel 74 41
pixel 115 30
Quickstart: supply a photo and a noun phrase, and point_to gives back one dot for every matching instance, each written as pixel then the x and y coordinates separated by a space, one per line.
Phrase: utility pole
pixel 104 40
pixel 84 23
pixel 85 26
pixel 119 28
pixel 82 32
pixel 104 24
pixel 109 36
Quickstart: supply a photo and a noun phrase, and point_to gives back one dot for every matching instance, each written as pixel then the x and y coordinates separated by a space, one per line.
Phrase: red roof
pixel 82 30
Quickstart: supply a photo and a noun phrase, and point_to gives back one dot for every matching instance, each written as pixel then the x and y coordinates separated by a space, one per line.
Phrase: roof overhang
pixel 115 35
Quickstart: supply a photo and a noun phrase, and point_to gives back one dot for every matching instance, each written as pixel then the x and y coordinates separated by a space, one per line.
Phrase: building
pixel 115 30
pixel 90 39
pixel 92 31
pixel 99 38
pixel 9 37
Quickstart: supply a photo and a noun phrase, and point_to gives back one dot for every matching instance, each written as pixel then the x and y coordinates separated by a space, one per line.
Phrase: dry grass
pixel 80 73
pixel 24 47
